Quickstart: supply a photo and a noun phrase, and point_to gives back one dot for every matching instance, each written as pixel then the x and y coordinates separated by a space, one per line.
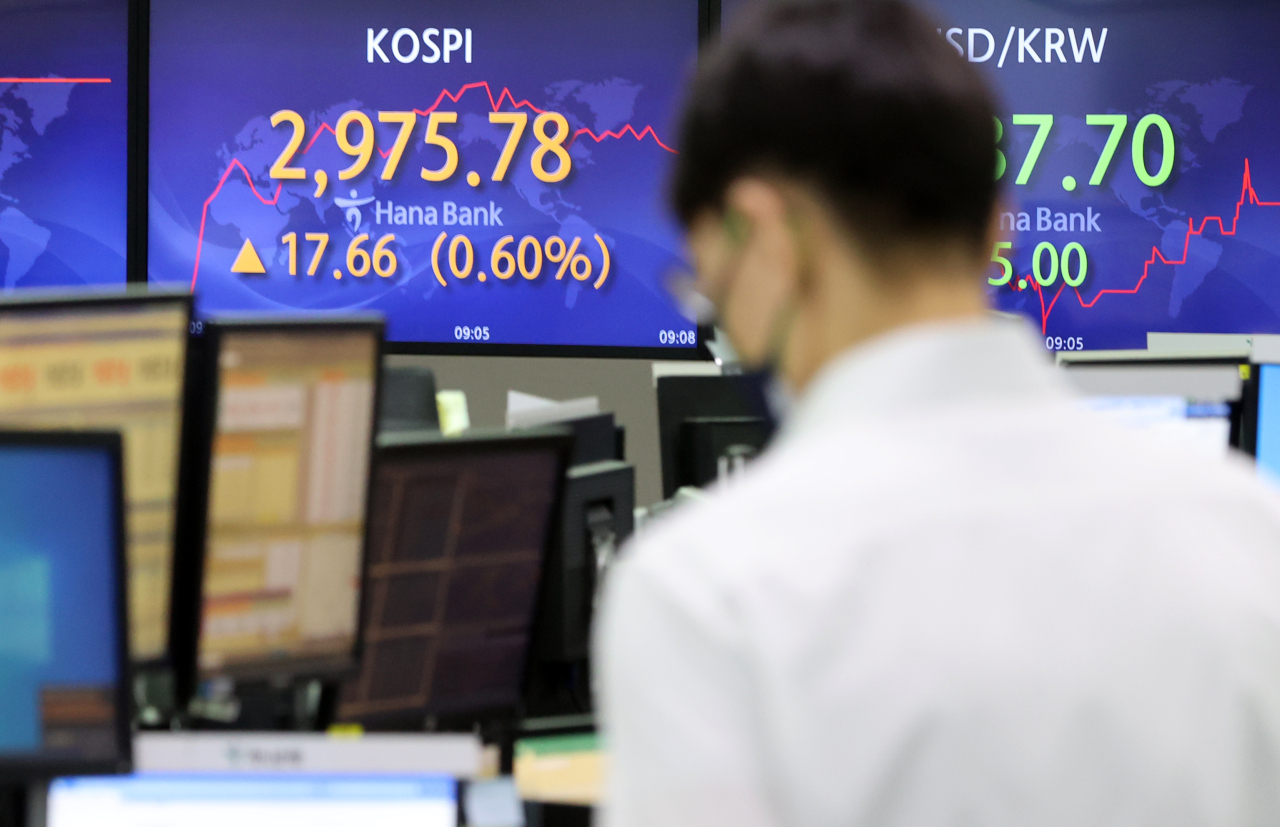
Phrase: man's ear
pixel 759 210
pixel 766 272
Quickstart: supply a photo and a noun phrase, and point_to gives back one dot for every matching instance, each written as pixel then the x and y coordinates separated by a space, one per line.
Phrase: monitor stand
pixel 275 705
pixel 23 805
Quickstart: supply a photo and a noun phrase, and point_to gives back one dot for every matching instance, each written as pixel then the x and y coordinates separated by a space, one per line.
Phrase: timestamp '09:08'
pixel 677 337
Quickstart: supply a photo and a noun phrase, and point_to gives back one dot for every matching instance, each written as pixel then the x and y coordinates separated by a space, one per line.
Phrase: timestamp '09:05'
pixel 471 334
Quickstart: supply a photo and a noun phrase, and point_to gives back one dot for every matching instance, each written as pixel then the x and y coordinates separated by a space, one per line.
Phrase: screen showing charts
pixel 63 142
pixel 290 463
pixel 59 613
pixel 481 173
pixel 164 800
pixel 110 366
pixel 455 558
pixel 1136 147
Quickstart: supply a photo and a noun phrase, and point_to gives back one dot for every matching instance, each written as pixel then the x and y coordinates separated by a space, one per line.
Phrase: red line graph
pixel 55 80
pixel 495 104
pixel 1247 196
pixel 204 214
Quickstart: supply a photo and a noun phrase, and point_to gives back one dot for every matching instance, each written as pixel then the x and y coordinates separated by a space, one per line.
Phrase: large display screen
pixel 63 142
pixel 486 172
pixel 1136 144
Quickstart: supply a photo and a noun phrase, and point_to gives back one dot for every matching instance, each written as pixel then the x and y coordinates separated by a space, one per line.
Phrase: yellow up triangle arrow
pixel 248 261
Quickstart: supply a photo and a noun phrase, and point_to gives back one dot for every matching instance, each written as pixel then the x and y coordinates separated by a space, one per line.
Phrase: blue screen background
pixel 220 69
pixel 1268 445
pixel 58 609
pixel 63 146
pixel 1209 68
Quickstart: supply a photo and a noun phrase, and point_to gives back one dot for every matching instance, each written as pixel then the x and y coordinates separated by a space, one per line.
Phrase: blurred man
pixel 945 595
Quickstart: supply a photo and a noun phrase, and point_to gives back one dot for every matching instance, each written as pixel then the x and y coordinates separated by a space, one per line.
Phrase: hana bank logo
pixel 352 212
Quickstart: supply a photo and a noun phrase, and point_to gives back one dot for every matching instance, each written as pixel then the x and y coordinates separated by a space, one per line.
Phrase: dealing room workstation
pixel 338 368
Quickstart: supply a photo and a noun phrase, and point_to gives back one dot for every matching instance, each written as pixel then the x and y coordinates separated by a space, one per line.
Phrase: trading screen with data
pixel 63 142
pixel 111 366
pixel 286 510
pixel 1135 143
pixel 484 173
pixel 457 540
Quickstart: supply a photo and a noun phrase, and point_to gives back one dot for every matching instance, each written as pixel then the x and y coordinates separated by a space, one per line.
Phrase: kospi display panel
pixel 63 142
pixel 485 174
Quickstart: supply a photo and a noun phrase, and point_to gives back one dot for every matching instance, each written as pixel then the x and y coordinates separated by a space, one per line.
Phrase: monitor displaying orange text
pixel 286 507
pixel 110 364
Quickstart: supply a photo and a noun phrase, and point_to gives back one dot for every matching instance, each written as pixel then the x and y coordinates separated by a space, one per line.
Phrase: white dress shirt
pixel 948 595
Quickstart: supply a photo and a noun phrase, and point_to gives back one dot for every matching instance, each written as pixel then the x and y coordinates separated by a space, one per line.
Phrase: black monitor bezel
pixel 72 300
pixel 186 598
pixel 29 767
pixel 411 444
pixel 1250 403
pixel 139 139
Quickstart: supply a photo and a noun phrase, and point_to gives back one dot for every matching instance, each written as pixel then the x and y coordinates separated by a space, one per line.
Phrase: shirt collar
pixel 928 365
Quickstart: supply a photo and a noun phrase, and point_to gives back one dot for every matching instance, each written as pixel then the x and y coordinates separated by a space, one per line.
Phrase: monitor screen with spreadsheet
pixel 111 362
pixel 289 450
pixel 188 800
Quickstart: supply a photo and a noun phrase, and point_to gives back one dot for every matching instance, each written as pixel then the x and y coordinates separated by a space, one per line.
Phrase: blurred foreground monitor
pixel 459 531
pixel 111 361
pixel 64 701
pixel 275 505
pixel 336 800
pixel 1197 403
pixel 1267 420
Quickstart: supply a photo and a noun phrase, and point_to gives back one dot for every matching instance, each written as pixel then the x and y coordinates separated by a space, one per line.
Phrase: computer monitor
pixel 111 361
pixel 457 538
pixel 65 143
pixel 1204 426
pixel 1266 422
pixel 64 663
pixel 331 800
pixel 546 233
pixel 408 400
pixel 275 505
pixel 598 515
pixel 682 399
pixel 1198 403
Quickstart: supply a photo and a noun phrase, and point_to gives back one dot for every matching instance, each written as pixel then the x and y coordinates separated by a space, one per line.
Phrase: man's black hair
pixel 863 100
